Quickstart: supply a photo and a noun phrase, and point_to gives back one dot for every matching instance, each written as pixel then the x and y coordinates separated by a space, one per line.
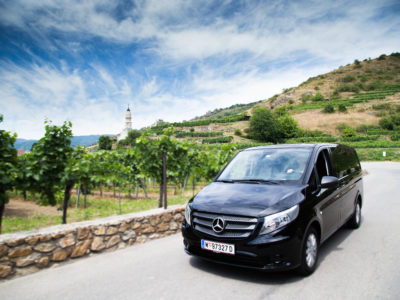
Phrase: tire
pixel 309 253
pixel 355 220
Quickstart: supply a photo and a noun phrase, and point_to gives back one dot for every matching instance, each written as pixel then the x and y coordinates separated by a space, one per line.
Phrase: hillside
pixel 360 93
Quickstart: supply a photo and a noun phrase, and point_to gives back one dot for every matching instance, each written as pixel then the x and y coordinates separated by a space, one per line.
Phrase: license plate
pixel 218 247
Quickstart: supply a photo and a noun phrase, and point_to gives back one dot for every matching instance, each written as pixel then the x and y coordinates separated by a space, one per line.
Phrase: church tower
pixel 128 120
pixel 128 125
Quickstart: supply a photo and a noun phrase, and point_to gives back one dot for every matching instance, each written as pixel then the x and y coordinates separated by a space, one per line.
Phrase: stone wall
pixel 27 252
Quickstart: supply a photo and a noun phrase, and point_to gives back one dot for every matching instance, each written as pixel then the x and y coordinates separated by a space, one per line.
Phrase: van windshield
pixel 267 165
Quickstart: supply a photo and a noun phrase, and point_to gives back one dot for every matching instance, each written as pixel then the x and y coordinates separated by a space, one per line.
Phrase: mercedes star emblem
pixel 218 225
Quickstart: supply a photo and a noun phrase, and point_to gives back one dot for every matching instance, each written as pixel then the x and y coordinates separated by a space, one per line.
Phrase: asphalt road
pixel 360 264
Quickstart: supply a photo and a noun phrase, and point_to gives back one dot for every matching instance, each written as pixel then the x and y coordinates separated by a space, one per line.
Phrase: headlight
pixel 187 214
pixel 276 221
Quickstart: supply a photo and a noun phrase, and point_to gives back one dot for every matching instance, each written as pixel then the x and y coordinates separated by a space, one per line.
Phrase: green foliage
pixel 264 125
pixel 342 108
pixel 287 126
pixel 267 126
pixel 50 156
pixel 238 132
pixel 365 129
pixel 349 78
pixel 318 97
pixel 328 109
pixel 382 57
pixel 228 119
pixel 348 88
pixel 390 122
pixel 180 134
pixel 305 98
pixel 130 139
pixel 224 139
pixel 105 142
pixel 8 163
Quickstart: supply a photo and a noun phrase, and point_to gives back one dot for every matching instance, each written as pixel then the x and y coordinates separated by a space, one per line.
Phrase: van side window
pixel 344 160
pixel 323 165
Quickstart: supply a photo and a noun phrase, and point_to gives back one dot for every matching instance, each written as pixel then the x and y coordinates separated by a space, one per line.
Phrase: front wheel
pixel 309 253
pixel 355 220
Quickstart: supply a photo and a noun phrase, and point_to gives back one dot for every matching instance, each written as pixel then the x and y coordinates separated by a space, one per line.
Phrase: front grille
pixel 235 227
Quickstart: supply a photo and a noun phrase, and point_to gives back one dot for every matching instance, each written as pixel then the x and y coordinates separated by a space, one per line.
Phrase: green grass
pixel 32 222
pixel 96 208
pixel 376 154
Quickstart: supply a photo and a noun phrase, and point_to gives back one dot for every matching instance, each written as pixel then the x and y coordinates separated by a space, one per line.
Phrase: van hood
pixel 247 199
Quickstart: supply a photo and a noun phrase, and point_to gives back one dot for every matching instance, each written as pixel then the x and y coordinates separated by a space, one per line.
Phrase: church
pixel 128 126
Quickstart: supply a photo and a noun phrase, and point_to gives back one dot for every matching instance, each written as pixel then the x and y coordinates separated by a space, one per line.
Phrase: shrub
pixel 382 57
pixel 318 97
pixel 328 109
pixel 395 137
pixel 348 132
pixel 348 88
pixel 287 126
pixel 238 132
pixel 342 108
pixel 264 125
pixel 386 123
pixel 224 139
pixel 365 128
pixel 348 78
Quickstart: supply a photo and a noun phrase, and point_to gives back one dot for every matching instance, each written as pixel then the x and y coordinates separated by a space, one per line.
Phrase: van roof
pixel 279 146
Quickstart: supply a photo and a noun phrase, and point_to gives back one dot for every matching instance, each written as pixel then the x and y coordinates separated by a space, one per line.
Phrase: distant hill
pixel 359 94
pixel 82 140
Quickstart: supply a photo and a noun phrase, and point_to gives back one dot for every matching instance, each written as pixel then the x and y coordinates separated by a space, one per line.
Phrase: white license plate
pixel 218 247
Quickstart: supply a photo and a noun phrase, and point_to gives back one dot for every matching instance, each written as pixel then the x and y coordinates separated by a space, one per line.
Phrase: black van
pixel 271 207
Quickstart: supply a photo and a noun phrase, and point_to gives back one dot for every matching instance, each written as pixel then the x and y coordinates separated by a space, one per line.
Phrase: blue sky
pixel 85 61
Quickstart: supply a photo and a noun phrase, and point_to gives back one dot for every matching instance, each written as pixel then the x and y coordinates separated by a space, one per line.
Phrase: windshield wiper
pixel 255 181
pixel 225 180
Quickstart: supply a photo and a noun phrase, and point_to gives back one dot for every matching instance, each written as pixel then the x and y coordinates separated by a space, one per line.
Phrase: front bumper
pixel 269 253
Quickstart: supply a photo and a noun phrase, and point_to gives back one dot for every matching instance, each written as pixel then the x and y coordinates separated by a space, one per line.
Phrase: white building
pixel 128 125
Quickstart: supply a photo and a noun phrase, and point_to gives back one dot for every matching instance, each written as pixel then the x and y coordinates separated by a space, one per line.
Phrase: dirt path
pixel 23 209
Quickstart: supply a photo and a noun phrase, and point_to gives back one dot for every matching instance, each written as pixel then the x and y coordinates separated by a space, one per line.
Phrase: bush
pixel 264 125
pixel 395 137
pixel 287 126
pixel 349 78
pixel 305 98
pixel 348 88
pixel 365 128
pixel 328 109
pixel 318 97
pixel 238 132
pixel 224 139
pixel 342 108
pixel 390 123
pixel 348 132
pixel 382 57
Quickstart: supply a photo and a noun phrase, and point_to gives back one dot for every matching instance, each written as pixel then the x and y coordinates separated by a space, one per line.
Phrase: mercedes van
pixel 271 207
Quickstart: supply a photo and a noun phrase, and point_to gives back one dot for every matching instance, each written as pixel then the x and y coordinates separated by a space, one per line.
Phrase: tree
pixel 264 126
pixel 8 161
pixel 130 140
pixel 50 156
pixel 105 143
pixel 287 126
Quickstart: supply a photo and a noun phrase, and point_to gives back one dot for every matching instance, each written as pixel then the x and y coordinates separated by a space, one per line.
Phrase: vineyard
pixel 53 170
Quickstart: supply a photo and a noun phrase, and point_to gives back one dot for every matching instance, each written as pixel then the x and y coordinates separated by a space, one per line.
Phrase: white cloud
pixel 199 55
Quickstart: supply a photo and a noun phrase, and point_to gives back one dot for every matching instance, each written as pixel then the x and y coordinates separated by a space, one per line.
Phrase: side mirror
pixel 329 182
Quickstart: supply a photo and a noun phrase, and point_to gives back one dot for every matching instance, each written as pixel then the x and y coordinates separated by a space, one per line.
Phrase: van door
pixel 346 168
pixel 329 198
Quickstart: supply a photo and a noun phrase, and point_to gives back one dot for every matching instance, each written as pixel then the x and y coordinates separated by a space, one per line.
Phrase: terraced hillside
pixel 355 96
